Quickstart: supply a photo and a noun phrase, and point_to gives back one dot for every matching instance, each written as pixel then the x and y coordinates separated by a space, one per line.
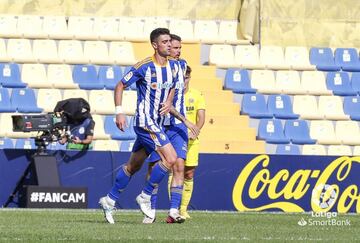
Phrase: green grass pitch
pixel 31 225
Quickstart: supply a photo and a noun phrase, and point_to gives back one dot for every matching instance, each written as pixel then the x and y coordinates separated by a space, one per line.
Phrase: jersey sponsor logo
pixel 179 85
pixel 190 108
pixel 128 76
pixel 166 85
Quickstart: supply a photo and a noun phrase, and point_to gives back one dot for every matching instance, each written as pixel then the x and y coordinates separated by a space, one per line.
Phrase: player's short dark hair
pixel 157 32
pixel 188 70
pixel 175 37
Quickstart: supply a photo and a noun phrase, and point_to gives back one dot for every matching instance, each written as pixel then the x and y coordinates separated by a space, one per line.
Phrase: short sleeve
pixel 89 131
pixel 200 102
pixel 131 77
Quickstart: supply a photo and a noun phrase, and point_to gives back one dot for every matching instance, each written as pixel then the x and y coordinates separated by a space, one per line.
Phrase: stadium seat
pixel 339 150
pixel 306 106
pixel 298 132
pixel 323 59
pixel 247 56
pixel 102 102
pixel 183 28
pixel 129 102
pixel 339 83
pixel 75 93
pixel 8 25
pixel 264 81
pixel 331 108
pixel 348 132
pixel 152 23
pixel 355 82
pixel 60 76
pixel 24 100
pixel 288 82
pixel 48 98
pixel 6 143
pixel 280 106
pixel 356 151
pixel 297 57
pixel 5 104
pixel 25 143
pixel 71 51
pixel 30 26
pixel 106 145
pixel 254 105
pixel 10 76
pixel 352 107
pixel 45 51
pixel 132 29
pixel 347 59
pixel 238 81
pixel 228 32
pixel 315 149
pixel 107 28
pixel 272 57
pixel 55 27
pixel 271 130
pixel 206 31
pixel 121 53
pixel 86 77
pixel 3 52
pixel 126 146
pixel 19 50
pixel 313 83
pixel 34 75
pixel 110 76
pixel 114 131
pixel 99 129
pixel 81 28
pixel 96 52
pixel 323 131
pixel 287 149
pixel 221 55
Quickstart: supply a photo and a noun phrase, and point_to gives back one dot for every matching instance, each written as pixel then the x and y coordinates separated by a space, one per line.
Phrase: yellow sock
pixel 187 193
pixel 169 185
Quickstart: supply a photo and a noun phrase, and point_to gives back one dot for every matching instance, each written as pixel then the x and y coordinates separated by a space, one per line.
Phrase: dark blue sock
pixel 157 174
pixel 176 195
pixel 122 180
pixel 154 197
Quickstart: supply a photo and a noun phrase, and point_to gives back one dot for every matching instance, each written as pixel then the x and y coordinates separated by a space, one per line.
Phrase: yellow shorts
pixel 192 157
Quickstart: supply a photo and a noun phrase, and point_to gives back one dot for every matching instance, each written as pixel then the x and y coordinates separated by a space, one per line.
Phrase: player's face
pixel 175 51
pixel 163 45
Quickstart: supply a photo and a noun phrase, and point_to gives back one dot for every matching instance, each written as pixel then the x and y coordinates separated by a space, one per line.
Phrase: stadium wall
pixel 222 181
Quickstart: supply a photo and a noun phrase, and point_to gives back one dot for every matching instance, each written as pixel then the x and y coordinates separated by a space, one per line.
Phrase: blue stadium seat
pixel 25 143
pixel 298 132
pixel 281 107
pixel 271 130
pixel 347 59
pixel 323 59
pixel 10 76
pixel 86 77
pixel 287 149
pixel 6 143
pixel 352 107
pixel 339 83
pixel 355 82
pixel 5 104
pixel 126 146
pixel 24 100
pixel 238 81
pixel 111 128
pixel 255 106
pixel 110 76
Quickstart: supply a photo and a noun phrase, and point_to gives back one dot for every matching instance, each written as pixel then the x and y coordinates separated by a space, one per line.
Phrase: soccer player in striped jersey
pixel 154 77
pixel 178 135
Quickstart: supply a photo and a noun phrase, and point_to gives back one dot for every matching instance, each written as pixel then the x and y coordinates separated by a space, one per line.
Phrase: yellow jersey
pixel 194 101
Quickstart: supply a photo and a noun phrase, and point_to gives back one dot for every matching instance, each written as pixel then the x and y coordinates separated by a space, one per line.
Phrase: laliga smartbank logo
pixel 286 190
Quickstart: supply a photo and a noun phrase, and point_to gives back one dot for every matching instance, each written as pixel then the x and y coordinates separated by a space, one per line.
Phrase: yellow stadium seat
pixel 45 51
pixel 228 32
pixel 348 132
pixel 34 74
pixel 19 50
pixel 339 150
pixel 30 26
pixel 106 145
pixel 107 28
pixel 206 31
pixel 8 25
pixel 48 98
pixel 121 53
pixel 264 81
pixel 313 82
pixel 247 56
pixel 71 51
pixel 55 27
pixel 81 28
pixel 331 108
pixel 288 82
pixel 60 76
pixel 99 131
pixel 306 106
pixel 222 56
pixel 356 151
pixel 183 28
pixel 323 131
pixel 132 29
pixel 102 101
pixel 96 52
pixel 75 93
pixel 316 149
pixel 272 57
pixel 297 57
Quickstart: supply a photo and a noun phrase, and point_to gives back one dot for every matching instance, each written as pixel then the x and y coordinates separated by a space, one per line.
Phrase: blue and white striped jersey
pixel 153 84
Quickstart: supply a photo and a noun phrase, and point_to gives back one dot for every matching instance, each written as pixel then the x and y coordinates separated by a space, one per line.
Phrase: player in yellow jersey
pixel 195 112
